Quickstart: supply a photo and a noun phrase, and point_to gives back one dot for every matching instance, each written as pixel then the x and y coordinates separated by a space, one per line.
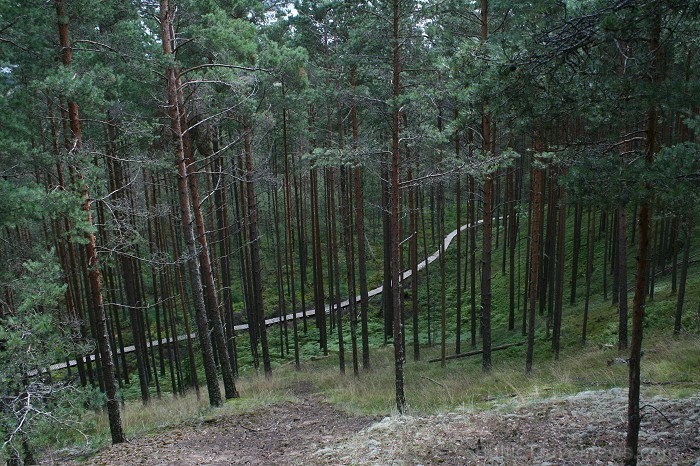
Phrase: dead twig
pixel 434 381
pixel 658 411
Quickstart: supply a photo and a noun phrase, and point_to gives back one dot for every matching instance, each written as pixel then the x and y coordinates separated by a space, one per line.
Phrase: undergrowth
pixel 670 365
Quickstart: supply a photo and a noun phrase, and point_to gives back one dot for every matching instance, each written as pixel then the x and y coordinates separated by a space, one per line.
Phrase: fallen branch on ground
pixel 475 352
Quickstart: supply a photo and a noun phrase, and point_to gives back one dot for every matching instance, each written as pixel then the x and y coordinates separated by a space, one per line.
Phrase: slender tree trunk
pixel 458 263
pixel 427 270
pixel 175 111
pixel 224 238
pixel 318 264
pixel 207 144
pixel 528 248
pixel 179 278
pixel 487 227
pixel 512 243
pixel 387 298
pixel 443 278
pixel 290 233
pixel 687 227
pixel 472 257
pixel 606 247
pixel 256 262
pixel 578 217
pixel 559 280
pixel 102 334
pixel 622 274
pixel 399 352
pixel 303 253
pixel 346 210
pixel 413 253
pixel 246 273
pixel 281 299
pixel 331 246
pixel 334 298
pixel 534 266
pixel 360 227
pixel 128 266
pixel 675 227
pixel 205 267
pixel 551 247
pixel 633 415
pixel 589 272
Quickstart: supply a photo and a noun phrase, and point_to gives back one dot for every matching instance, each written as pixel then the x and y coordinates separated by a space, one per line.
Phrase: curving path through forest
pixel 299 315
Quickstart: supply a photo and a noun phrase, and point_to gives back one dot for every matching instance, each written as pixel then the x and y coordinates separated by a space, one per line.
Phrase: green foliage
pixel 22 204
pixel 599 176
pixel 80 87
pixel 675 177
pixel 226 39
pixel 559 74
pixel 32 337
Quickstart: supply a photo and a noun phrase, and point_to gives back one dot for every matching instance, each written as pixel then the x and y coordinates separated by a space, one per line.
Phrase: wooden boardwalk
pixel 299 315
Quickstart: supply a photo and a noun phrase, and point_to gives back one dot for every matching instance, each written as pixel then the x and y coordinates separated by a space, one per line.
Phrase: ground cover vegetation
pixel 195 193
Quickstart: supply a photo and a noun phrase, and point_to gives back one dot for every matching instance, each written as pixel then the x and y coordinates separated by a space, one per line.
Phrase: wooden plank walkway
pixel 299 315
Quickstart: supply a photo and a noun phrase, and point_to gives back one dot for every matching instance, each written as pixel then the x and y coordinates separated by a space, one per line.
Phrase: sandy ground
pixel 588 428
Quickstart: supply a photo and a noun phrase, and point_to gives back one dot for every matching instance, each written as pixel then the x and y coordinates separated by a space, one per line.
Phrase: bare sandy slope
pixel 588 428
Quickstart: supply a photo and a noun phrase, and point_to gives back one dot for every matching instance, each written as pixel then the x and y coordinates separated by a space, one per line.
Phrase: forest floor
pixel 586 428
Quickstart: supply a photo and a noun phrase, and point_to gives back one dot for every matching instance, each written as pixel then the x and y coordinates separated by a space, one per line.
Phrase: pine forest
pixel 335 232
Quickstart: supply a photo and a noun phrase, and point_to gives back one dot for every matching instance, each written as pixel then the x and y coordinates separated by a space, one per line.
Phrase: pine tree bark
pixel 443 278
pixel 487 227
pixel 578 218
pixel 644 229
pixel 622 275
pixel 256 262
pixel 346 212
pixel 512 242
pixel 534 265
pixel 128 269
pixel 244 245
pixel 319 292
pixel 559 279
pixel 175 110
pixel 360 227
pixel 387 298
pixel 589 272
pixel 399 352
pixel 413 254
pixel 428 316
pixel 472 261
pixel 205 267
pixel 458 252
pixel 687 226
pixel 102 335
pixel 290 233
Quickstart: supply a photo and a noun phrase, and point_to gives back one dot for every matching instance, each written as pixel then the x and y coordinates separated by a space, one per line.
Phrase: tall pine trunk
pixel 644 229
pixel 534 264
pixel 175 111
pixel 290 233
pixel 256 261
pixel 687 226
pixel 487 227
pixel 622 274
pixel 206 271
pixel 399 352
pixel 97 304
pixel 360 227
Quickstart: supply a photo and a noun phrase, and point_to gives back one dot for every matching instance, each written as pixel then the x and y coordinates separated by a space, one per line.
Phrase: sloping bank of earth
pixel 587 428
